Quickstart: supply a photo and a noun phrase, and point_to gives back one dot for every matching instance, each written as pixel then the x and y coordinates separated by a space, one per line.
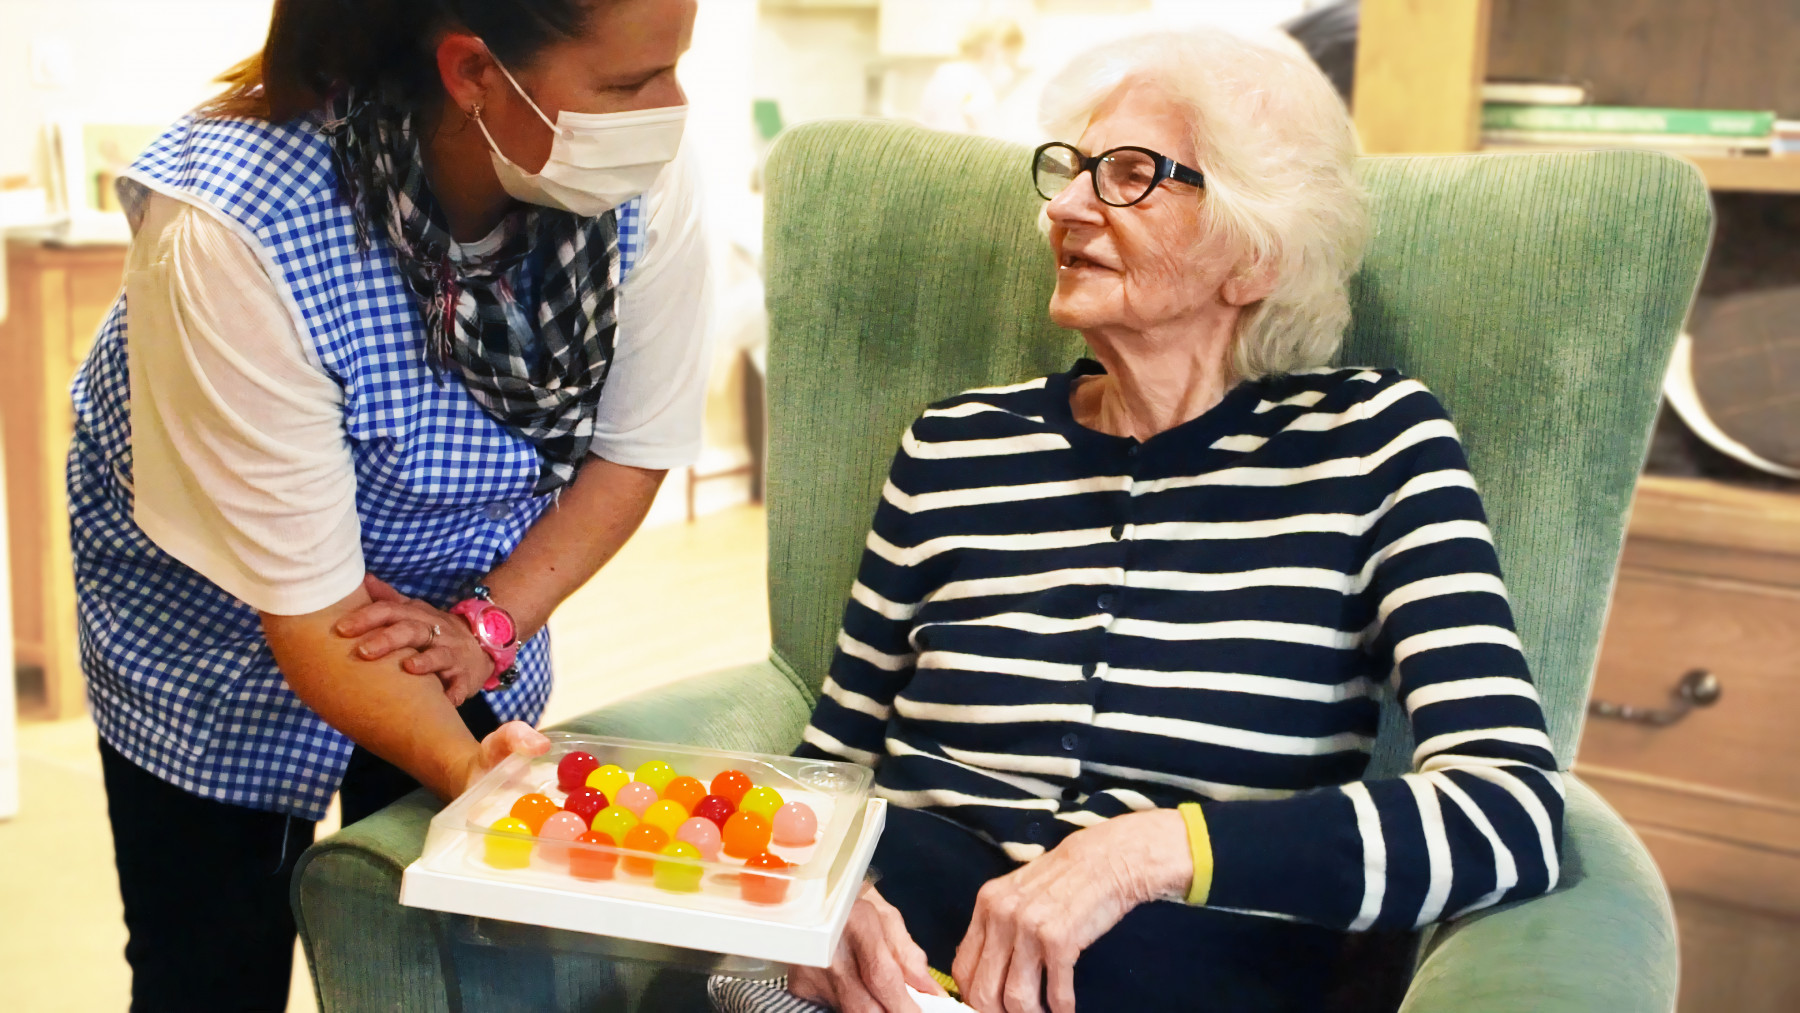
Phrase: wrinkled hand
pixel 876 959
pixel 1031 924
pixel 511 737
pixel 394 622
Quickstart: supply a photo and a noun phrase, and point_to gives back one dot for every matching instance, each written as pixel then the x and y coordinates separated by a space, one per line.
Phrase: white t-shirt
pixel 242 469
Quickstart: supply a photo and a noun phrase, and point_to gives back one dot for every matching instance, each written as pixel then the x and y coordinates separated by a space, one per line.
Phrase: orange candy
pixel 643 837
pixel 684 791
pixel 731 784
pixel 533 810
pixel 587 863
pixel 764 889
pixel 746 834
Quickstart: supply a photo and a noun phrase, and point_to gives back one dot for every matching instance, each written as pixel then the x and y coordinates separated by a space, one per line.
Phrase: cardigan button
pixel 1118 531
pixel 1069 741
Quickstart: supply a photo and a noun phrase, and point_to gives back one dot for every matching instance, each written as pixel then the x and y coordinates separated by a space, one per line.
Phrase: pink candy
pixel 562 826
pixel 636 796
pixel 703 834
pixel 795 825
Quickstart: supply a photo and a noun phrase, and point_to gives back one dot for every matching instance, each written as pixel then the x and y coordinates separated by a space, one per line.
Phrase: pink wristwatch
pixel 495 631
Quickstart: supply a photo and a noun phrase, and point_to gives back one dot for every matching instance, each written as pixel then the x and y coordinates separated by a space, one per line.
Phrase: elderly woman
pixel 1117 642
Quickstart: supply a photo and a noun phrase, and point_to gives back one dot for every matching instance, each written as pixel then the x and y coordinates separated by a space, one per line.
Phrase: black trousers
pixel 205 883
pixel 1161 956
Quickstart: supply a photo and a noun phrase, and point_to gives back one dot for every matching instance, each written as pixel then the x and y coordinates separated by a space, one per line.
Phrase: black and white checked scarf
pixel 535 365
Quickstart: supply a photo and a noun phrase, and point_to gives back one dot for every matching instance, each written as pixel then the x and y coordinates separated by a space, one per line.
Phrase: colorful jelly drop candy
pixel 685 791
pixel 592 863
pixel 764 889
pixel 534 809
pixel 731 785
pixel 509 846
pixel 717 808
pixel 573 769
pixel 636 796
pixel 795 825
pixel 665 816
pixel 586 802
pixel 762 801
pixel 745 834
pixel 642 837
pixel 656 774
pixel 679 877
pixel 702 833
pixel 562 826
pixel 615 821
pixel 608 779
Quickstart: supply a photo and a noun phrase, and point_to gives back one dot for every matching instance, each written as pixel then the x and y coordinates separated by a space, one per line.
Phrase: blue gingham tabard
pixel 179 677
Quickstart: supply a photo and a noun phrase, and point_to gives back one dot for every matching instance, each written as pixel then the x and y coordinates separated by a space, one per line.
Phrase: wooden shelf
pixel 1771 174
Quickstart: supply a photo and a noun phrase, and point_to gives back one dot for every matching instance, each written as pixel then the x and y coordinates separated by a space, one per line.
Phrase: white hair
pixel 1278 151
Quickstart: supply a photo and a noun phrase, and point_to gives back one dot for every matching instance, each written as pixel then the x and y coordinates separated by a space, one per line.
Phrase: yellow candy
pixel 761 801
pixel 608 779
pixel 666 816
pixel 656 774
pixel 509 846
pixel 679 877
pixel 615 821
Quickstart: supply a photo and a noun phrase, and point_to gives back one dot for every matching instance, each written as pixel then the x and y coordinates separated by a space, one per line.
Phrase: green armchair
pixel 1538 295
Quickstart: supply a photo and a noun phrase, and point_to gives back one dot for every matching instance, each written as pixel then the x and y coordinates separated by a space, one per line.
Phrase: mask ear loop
pixel 516 87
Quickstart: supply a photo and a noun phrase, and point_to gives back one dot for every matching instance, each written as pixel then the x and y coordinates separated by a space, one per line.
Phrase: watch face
pixel 496 627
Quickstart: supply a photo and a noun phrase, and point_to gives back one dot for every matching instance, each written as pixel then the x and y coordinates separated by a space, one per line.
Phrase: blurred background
pixel 1692 734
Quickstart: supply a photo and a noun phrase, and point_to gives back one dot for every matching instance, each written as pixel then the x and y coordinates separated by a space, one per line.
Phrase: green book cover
pixel 1628 120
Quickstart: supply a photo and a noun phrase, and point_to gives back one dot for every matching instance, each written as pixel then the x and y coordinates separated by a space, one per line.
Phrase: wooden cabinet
pixel 1710 581
pixel 58 298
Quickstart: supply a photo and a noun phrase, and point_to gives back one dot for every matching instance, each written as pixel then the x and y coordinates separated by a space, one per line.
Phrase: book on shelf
pixel 1787 137
pixel 1692 145
pixel 1628 120
pixel 1534 93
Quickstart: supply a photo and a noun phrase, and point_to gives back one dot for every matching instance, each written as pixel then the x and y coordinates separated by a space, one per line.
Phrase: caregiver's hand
pixel 876 959
pixel 394 622
pixel 1031 924
pixel 511 737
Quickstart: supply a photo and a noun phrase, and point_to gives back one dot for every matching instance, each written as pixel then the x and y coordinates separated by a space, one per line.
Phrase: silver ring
pixel 435 630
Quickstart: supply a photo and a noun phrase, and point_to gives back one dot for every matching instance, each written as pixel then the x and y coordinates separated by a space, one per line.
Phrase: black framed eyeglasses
pixel 1122 176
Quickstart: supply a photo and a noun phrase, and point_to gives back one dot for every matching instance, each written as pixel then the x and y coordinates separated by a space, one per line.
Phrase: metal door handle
pixel 1698 688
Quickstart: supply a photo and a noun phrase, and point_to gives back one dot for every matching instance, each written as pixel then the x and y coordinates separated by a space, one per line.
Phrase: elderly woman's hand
pixel 876 959
pixel 447 648
pixel 1031 924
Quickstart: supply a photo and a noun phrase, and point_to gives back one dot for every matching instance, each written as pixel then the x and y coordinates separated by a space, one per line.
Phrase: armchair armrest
pixel 1604 939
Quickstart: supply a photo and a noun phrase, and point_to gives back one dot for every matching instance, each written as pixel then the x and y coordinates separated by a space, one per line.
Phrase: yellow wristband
pixel 1201 844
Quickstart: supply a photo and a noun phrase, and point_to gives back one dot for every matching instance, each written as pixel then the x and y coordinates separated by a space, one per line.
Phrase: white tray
pixel 447 878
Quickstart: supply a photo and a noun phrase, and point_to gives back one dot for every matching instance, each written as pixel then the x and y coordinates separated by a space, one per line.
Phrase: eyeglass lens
pixel 1123 177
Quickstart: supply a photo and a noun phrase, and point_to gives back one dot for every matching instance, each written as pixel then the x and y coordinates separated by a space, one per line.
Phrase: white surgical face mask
pixel 597 161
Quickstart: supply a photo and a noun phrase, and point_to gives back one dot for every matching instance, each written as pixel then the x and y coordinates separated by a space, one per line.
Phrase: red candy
pixel 731 784
pixel 764 889
pixel 717 808
pixel 588 863
pixel 572 772
pixel 643 837
pixel 585 802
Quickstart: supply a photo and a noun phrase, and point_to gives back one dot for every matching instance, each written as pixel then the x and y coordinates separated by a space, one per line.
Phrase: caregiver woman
pixel 411 332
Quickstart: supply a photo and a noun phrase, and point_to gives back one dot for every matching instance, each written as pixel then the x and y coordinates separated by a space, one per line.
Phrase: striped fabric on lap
pixel 1052 627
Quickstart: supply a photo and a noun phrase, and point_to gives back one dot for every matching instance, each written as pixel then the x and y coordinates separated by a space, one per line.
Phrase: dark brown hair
pixel 317 48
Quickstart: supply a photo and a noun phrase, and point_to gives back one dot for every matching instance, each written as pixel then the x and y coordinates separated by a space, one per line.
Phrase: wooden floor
pixel 680 599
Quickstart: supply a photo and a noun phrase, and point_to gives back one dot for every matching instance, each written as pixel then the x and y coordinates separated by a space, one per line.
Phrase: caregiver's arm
pixel 398 716
pixel 594 518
